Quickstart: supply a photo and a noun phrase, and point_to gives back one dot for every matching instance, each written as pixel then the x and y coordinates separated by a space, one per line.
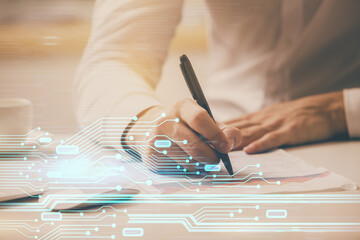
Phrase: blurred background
pixel 41 42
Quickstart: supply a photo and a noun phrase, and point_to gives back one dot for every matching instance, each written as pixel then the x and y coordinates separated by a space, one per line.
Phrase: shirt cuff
pixel 352 111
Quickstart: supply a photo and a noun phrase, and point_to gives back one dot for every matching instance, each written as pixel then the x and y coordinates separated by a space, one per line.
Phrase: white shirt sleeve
pixel 352 111
pixel 122 62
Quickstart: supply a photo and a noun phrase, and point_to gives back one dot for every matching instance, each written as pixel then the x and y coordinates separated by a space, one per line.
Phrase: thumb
pixel 232 134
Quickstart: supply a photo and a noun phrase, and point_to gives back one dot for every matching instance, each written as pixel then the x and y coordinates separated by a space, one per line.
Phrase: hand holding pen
pixel 195 137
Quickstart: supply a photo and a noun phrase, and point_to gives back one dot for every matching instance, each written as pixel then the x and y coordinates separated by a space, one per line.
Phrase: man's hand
pixel 181 123
pixel 308 119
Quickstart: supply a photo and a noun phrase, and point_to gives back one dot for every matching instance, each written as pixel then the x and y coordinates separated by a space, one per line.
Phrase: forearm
pixel 122 62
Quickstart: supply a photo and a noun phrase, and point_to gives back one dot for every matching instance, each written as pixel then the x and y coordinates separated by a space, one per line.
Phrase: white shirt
pixel 262 52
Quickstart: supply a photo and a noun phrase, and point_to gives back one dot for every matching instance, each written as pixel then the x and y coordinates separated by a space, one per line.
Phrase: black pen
pixel 198 95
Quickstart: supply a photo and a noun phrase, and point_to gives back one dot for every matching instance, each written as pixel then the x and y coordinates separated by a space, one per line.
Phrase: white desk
pixel 341 157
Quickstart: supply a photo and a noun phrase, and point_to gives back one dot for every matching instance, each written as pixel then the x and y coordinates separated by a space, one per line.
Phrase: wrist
pixel 136 129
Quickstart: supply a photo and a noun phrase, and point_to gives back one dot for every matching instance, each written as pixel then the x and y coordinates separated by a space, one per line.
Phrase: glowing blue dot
pixel 112 236
pixel 118 156
pixel 131 138
pixel 214 176
pixel 20 173
pixel 96 229
pixel 29 167
pixel 46 133
pixel 190 157
pixel 118 188
pixel 147 134
pixel 36 220
pixel 103 211
pixel 197 172
pixel 197 190
pixel 197 164
pixel 46 161
pixel 176 120
pixel 135 118
pixel 260 173
pixel 199 183
pixel 125 210
pixel 240 210
pixel 164 152
pixel 121 168
pixel 256 218
pixel 257 207
pixel 184 169
pixel 149 182
pixel 114 215
pixel 185 141
pixel 81 214
pixel 37 230
pixel 34 147
pixel 278 182
pixel 187 160
pixel 113 225
pixel 36 237
pixel 22 144
pixel 39 128
pixel 258 165
pixel 258 186
pixel 178 166
pixel 163 114
pixel 231 214
pixel 88 233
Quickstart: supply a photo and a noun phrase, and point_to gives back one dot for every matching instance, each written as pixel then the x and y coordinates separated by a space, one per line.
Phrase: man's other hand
pixel 308 119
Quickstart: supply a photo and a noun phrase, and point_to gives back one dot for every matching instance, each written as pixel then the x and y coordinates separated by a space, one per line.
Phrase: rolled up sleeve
pixel 352 111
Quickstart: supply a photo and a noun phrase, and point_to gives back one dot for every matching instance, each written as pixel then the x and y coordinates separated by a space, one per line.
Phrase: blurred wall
pixel 41 43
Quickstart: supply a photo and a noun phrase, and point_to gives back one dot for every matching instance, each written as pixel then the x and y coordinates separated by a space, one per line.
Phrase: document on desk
pixel 272 172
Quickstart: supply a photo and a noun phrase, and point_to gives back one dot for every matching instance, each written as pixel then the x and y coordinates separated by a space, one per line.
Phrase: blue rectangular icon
pixel 276 213
pixel 133 232
pixel 212 168
pixel 67 149
pixel 162 143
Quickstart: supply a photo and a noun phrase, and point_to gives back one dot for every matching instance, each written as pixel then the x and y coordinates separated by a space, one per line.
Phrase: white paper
pixel 272 172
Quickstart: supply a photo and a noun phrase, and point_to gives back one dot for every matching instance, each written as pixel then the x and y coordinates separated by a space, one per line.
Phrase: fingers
pixel 200 121
pixel 251 134
pixel 268 141
pixel 195 147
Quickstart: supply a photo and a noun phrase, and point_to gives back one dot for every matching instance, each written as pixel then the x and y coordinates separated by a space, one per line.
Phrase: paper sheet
pixel 272 172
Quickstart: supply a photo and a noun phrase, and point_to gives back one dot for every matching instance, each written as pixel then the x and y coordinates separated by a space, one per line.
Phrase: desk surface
pixel 340 157
pixel 330 215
